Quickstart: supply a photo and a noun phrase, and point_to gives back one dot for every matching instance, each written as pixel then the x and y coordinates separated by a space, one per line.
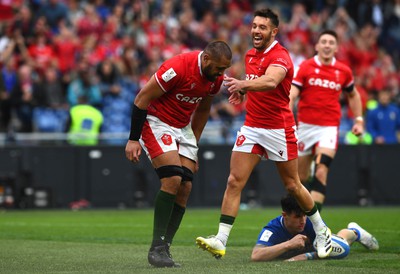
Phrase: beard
pixel 207 73
pixel 262 45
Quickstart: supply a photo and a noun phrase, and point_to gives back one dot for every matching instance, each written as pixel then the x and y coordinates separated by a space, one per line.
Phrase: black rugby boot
pixel 159 257
pixel 169 255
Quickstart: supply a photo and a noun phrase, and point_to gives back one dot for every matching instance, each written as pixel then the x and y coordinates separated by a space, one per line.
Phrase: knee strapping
pixel 317 186
pixel 187 175
pixel 323 159
pixel 169 171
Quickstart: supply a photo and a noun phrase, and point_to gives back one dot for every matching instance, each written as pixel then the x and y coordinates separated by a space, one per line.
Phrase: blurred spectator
pixel 41 28
pixel 51 93
pixel 297 53
pixel 379 73
pixel 7 9
pixel 12 45
pixel 5 110
pixel 66 47
pixel 23 97
pixel 8 79
pixel 109 78
pixel 51 111
pixel 130 60
pixel 105 47
pixel 113 23
pixel 75 12
pixel 155 33
pixel 83 85
pixel 341 17
pixel 363 49
pixel 189 29
pixel 24 23
pixel 84 123
pixel 383 122
pixel 55 11
pixel 174 44
pixel 90 24
pixel 41 54
pixel 298 28
pixel 370 12
pixel 393 85
pixel 390 36
pixel 345 40
pixel 102 9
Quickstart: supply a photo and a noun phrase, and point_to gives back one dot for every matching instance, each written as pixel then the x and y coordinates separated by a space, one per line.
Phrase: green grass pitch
pixel 117 241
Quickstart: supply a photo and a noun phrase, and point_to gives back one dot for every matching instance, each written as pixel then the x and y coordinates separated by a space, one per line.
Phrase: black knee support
pixel 187 175
pixel 169 171
pixel 323 159
pixel 317 186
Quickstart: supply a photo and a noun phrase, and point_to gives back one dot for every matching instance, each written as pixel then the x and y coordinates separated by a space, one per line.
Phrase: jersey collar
pixel 320 64
pixel 271 46
pixel 199 62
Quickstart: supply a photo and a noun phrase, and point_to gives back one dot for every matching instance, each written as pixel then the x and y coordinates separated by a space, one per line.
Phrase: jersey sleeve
pixel 169 74
pixel 282 60
pixel 267 237
pixel 349 83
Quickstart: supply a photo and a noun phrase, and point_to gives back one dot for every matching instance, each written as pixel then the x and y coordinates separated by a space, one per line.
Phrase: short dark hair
pixel 268 13
pixel 329 32
pixel 218 49
pixel 290 205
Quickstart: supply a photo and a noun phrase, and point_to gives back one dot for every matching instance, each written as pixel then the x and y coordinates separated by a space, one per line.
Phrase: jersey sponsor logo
pixel 240 140
pixel 188 99
pixel 251 76
pixel 166 139
pixel 280 152
pixel 324 83
pixel 266 235
pixel 168 75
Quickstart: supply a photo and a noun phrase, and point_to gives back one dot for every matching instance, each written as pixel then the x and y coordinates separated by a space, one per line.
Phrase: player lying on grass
pixel 291 236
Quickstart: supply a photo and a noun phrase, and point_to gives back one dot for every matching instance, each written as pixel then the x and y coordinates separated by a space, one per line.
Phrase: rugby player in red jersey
pixel 269 131
pixel 318 85
pixel 168 117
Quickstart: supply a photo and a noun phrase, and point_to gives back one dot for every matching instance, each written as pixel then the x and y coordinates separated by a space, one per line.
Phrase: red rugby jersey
pixel 269 109
pixel 320 87
pixel 184 85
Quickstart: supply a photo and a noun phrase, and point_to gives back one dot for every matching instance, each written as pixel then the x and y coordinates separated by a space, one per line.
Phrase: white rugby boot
pixel 323 242
pixel 213 245
pixel 364 237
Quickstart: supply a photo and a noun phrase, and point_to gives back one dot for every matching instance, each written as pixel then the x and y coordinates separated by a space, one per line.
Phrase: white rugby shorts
pixel 274 144
pixel 311 136
pixel 158 138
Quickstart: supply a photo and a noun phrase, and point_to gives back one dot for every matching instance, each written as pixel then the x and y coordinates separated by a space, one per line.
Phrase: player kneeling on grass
pixel 291 236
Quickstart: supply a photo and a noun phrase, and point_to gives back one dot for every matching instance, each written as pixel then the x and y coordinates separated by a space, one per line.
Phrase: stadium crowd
pixel 52 52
